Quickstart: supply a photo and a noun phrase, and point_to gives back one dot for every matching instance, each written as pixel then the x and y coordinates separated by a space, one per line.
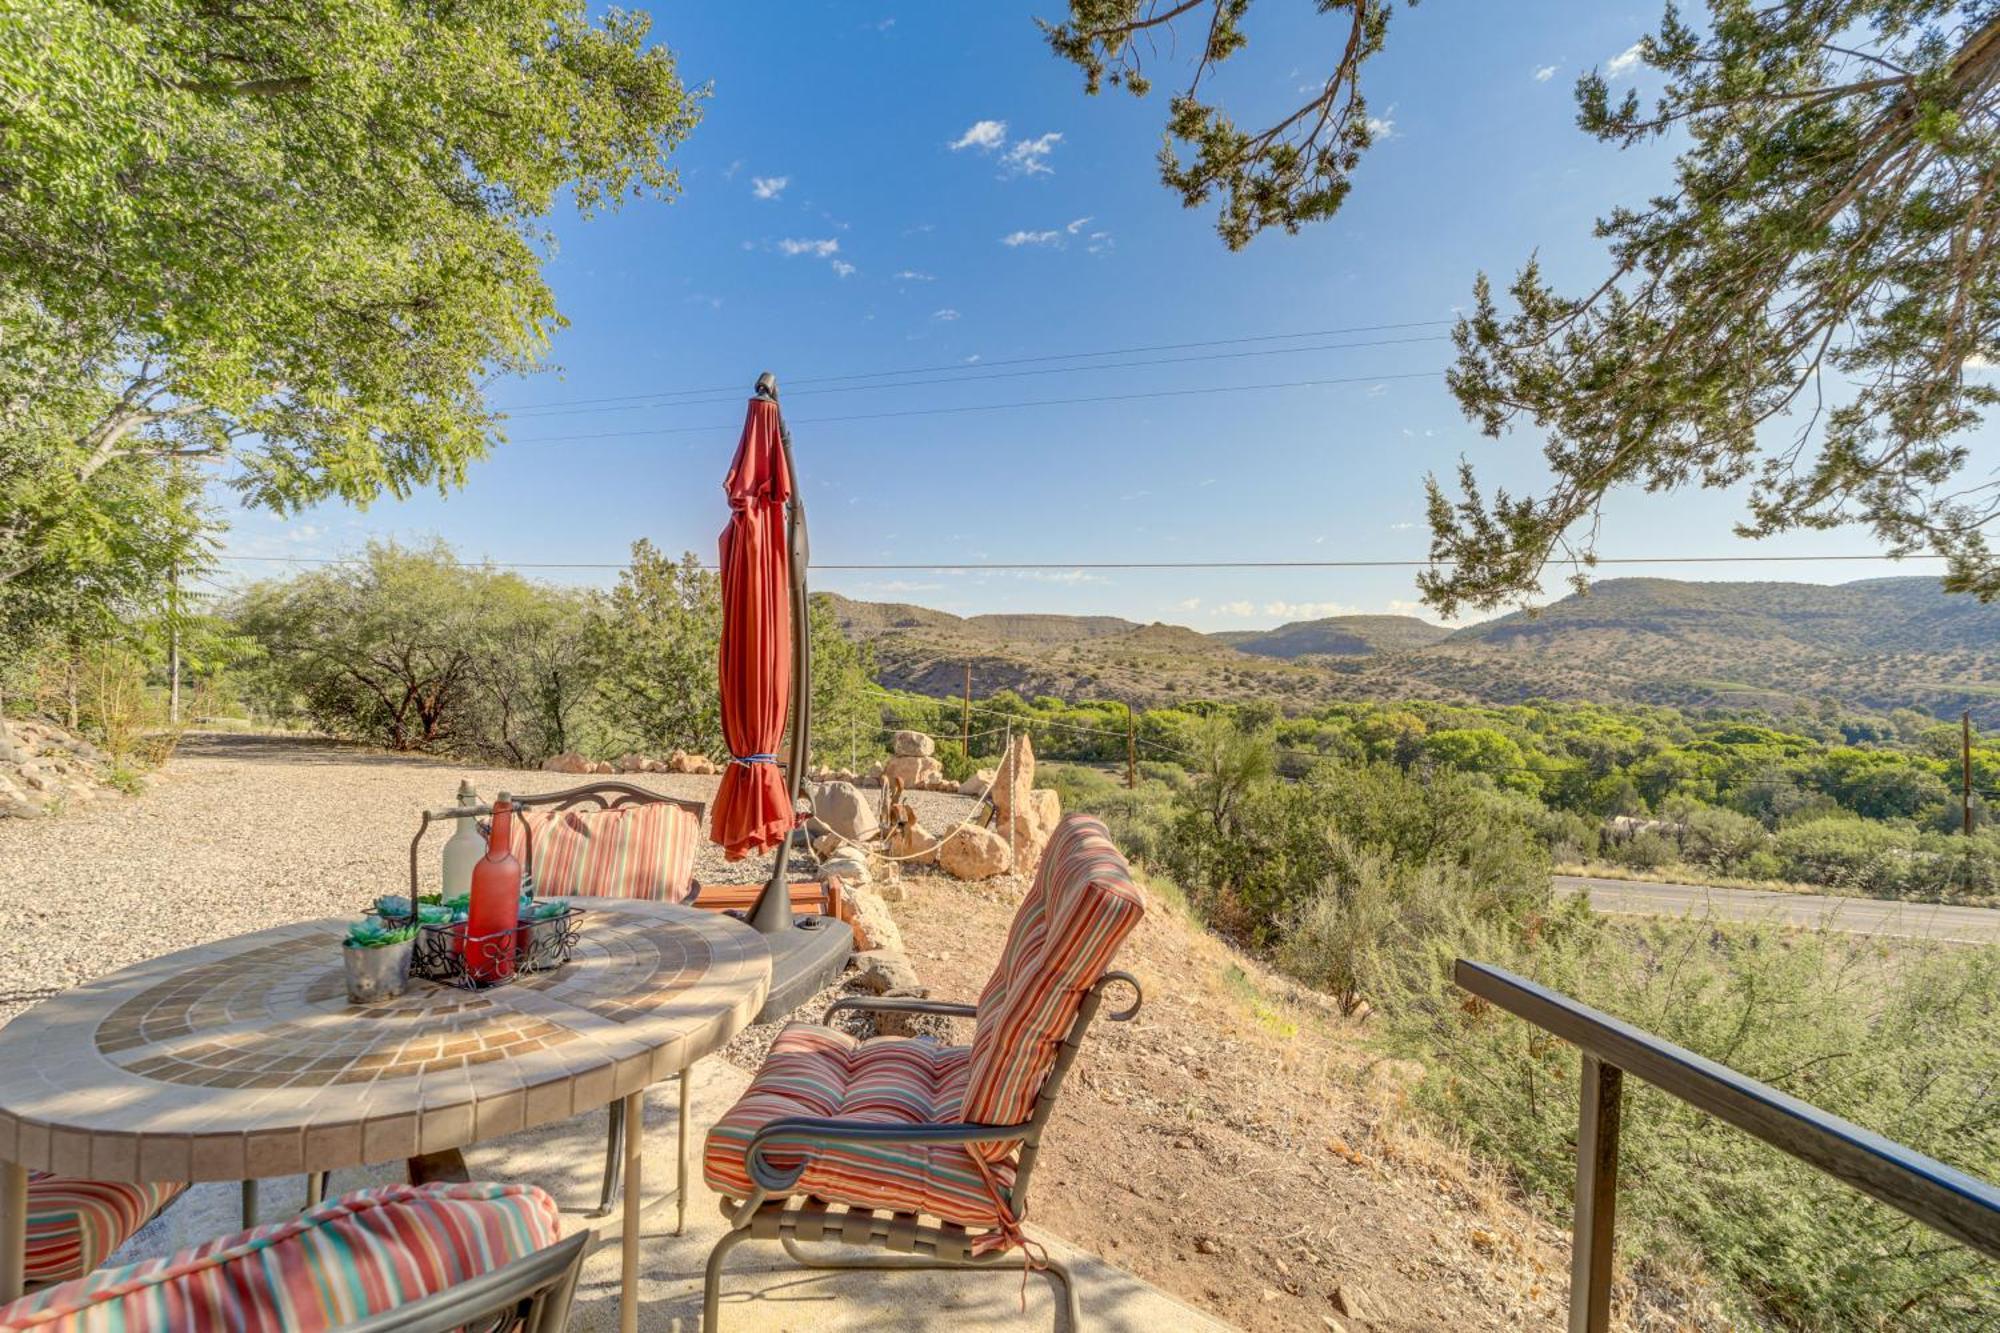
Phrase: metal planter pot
pixel 376 974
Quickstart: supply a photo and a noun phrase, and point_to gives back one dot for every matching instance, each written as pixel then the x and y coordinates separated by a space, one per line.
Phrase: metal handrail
pixel 1941 1197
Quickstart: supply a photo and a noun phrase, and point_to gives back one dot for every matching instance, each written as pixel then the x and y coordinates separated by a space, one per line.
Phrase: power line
pixel 530 415
pixel 1059 565
pixel 990 407
pixel 736 389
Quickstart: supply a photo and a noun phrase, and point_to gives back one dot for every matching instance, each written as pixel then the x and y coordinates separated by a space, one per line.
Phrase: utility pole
pixel 174 646
pixel 965 717
pixel 1965 768
pixel 1131 748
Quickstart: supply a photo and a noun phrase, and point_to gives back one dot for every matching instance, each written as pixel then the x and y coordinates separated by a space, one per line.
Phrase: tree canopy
pixel 1809 310
pixel 294 239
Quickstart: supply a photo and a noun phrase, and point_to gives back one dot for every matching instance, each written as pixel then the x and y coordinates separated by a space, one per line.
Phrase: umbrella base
pixel 805 960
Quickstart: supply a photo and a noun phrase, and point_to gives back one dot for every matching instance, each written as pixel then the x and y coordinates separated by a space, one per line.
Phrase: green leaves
pixel 1295 170
pixel 301 236
pixel 1809 312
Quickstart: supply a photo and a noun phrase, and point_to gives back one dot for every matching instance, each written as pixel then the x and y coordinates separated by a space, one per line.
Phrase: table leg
pixel 13 1231
pixel 681 1189
pixel 635 1138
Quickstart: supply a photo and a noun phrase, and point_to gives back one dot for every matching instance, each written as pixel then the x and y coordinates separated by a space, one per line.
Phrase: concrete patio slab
pixel 762 1290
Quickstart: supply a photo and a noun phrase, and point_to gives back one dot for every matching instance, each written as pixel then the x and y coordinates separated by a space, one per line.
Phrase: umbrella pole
pixel 773 913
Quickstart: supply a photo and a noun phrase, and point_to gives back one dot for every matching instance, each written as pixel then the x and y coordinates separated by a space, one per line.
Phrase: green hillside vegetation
pixel 1366 876
pixel 1849 802
pixel 1875 645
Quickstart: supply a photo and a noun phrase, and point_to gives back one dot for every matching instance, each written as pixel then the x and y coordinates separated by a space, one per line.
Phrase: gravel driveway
pixel 243 832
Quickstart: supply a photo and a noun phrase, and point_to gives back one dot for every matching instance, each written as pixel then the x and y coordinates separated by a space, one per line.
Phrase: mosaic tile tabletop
pixel 243 1059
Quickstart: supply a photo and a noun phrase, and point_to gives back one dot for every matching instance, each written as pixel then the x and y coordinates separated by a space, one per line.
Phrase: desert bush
pixel 1888 860
pixel 1905 1044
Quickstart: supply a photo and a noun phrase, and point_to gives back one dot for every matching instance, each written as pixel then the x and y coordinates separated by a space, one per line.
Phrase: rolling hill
pixel 1875 643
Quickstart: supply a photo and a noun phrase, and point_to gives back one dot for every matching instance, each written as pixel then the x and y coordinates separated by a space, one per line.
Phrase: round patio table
pixel 243 1059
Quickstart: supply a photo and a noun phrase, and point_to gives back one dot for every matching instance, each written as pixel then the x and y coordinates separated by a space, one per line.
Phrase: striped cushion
pixel 633 851
pixel 816 1071
pixel 338 1263
pixel 74 1225
pixel 1080 908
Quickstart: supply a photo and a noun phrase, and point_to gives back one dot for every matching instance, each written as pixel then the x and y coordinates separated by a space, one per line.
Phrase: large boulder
pixel 843 809
pixel 569 761
pixel 913 771
pixel 914 843
pixel 850 868
pixel 977 784
pixel 1015 777
pixel 632 762
pixel 873 927
pixel 1030 826
pixel 974 853
pixel 880 971
pixel 913 744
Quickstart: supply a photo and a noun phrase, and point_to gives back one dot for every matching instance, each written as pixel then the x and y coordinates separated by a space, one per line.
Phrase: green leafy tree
pixel 1809 311
pixel 659 646
pixel 1294 170
pixel 297 237
pixel 1802 312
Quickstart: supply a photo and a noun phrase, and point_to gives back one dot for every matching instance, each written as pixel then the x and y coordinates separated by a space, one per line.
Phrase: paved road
pixel 1859 916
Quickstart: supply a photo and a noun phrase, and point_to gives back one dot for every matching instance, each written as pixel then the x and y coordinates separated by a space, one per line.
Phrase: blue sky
pixel 880 188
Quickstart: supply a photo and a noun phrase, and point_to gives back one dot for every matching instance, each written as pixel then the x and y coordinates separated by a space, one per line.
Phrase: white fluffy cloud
pixel 911 275
pixel 817 249
pixel 1029 157
pixel 985 135
pixel 1234 609
pixel 1625 61
pixel 947 314
pixel 1545 73
pixel 1017 239
pixel 769 187
pixel 843 269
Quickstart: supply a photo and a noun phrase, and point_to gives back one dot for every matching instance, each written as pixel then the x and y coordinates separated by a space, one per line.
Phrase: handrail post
pixel 1596 1208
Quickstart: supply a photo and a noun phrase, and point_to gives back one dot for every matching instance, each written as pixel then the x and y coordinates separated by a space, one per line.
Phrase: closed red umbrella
pixel 753 811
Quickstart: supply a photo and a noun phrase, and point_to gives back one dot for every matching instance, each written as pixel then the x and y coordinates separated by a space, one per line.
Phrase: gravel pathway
pixel 245 832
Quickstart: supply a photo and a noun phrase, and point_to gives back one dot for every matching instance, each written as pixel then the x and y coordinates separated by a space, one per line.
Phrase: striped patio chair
pixel 404 1256
pixel 75 1225
pixel 858 1142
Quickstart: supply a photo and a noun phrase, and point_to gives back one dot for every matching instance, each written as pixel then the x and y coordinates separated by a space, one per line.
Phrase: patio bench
pixel 403 1256
pixel 857 1142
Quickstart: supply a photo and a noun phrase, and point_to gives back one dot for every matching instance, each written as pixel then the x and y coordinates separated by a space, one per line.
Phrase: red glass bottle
pixel 495 912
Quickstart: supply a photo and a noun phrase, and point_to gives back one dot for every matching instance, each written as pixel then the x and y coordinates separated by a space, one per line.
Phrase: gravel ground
pixel 245 832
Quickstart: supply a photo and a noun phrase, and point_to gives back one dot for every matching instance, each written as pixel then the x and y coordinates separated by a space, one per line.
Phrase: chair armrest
pixel 803 1132
pixel 898 1004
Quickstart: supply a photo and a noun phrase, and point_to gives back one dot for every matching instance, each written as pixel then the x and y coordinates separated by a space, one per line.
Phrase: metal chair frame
pixel 773 1213
pixel 529 1295
pixel 599 796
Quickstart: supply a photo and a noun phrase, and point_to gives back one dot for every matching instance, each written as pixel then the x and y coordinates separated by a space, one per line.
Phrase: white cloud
pixel 985 135
pixel 947 314
pixel 1545 73
pixel 1100 243
pixel 1029 157
pixel 1401 527
pixel 734 167
pixel 1383 127
pixel 1234 609
pixel 817 249
pixel 911 275
pixel 1189 604
pixel 1074 227
pixel 1020 238
pixel 843 269
pixel 1625 61
pixel 1306 610
pixel 769 187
